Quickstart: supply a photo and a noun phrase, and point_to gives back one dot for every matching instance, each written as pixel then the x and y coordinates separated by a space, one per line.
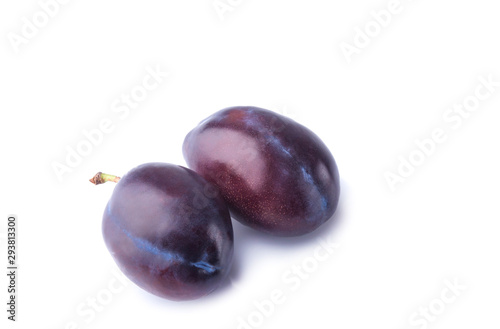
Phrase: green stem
pixel 101 178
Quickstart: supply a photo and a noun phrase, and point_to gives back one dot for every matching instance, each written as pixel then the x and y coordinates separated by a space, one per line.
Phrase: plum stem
pixel 101 178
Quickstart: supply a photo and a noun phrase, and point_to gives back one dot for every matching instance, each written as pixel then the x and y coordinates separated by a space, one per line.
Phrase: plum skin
pixel 276 175
pixel 169 231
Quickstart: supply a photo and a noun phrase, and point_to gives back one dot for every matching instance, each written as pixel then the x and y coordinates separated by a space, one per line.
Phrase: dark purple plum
pixel 169 231
pixel 276 175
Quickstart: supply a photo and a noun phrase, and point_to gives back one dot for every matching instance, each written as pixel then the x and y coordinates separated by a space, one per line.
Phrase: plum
pixel 169 231
pixel 276 175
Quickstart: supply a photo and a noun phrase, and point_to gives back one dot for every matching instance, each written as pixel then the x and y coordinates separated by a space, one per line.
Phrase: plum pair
pixel 169 228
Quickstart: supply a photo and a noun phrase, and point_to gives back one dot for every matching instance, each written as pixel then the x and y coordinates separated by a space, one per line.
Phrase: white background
pixel 396 249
